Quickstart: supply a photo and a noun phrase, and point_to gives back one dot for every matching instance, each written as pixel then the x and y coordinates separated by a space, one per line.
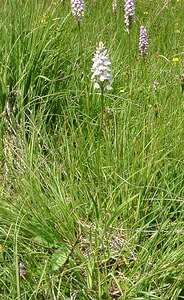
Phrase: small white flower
pixel 155 85
pixel 101 71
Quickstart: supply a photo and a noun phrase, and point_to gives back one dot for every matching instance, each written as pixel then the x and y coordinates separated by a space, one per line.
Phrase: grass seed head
pixel 115 7
pixel 182 82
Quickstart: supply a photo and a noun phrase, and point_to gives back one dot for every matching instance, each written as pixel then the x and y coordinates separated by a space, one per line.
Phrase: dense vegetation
pixel 91 195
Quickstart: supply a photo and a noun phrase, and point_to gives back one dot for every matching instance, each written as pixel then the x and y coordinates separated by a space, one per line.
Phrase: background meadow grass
pixel 91 216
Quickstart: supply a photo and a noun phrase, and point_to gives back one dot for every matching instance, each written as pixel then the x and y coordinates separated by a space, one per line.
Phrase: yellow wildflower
pixel 145 13
pixel 177 31
pixel 42 18
pixel 175 59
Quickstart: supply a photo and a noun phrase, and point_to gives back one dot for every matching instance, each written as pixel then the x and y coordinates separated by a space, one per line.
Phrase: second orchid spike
pixel 77 9
pixel 129 14
pixel 143 41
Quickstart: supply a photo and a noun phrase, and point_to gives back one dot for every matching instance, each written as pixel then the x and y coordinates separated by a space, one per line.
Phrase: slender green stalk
pixel 80 43
pixel 129 50
pixel 102 107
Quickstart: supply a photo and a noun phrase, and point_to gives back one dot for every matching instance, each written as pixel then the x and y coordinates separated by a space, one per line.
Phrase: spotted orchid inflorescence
pixel 101 69
pixel 143 41
pixel 129 14
pixel 22 271
pixel 78 9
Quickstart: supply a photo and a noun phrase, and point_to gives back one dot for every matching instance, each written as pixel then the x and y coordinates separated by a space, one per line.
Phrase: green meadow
pixel 91 181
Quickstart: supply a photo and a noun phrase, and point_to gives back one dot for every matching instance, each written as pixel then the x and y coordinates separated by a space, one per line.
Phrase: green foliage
pixel 91 194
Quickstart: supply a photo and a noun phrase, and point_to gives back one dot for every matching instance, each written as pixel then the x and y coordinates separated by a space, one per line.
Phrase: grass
pixel 91 214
